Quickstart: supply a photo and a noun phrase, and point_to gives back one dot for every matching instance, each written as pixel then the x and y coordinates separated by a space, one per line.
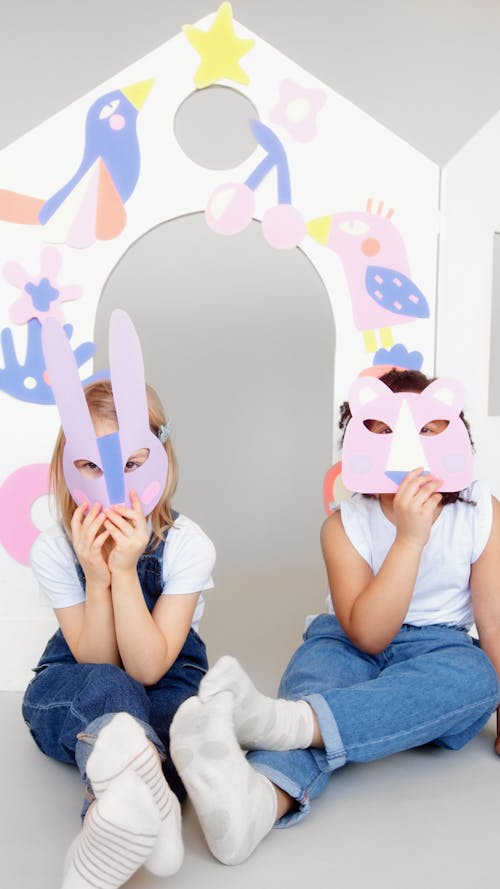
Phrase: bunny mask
pixel 377 463
pixel 109 452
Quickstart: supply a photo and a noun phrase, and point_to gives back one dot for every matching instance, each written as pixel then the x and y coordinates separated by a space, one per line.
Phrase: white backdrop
pixel 353 158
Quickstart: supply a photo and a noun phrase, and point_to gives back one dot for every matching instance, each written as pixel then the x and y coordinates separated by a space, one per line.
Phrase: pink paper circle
pixel 230 208
pixel 283 226
pixel 117 122
pixel 329 486
pixel 17 495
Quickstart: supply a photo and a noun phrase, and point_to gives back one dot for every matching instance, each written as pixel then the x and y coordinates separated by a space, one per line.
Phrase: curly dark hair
pixel 407 381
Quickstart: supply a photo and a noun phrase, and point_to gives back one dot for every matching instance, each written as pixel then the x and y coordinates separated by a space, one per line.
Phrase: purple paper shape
pixel 111 452
pixel 275 157
pixel 127 379
pixel 112 462
pixel 25 379
pixel 394 291
pixel 398 356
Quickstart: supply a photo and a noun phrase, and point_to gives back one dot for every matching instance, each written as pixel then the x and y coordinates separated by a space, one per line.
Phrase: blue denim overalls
pixel 66 698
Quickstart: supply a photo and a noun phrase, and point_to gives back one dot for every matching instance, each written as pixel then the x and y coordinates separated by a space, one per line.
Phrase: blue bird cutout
pixel 90 206
pixel 395 292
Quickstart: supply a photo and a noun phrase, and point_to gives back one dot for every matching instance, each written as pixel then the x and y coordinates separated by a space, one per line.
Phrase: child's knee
pixel 108 689
pixel 487 679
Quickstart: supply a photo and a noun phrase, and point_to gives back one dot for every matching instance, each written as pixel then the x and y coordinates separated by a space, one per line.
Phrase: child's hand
pixel 88 538
pixel 129 531
pixel 416 505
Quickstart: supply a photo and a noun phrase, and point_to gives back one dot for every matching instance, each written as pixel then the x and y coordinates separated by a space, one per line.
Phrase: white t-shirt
pixel 188 561
pixel 458 537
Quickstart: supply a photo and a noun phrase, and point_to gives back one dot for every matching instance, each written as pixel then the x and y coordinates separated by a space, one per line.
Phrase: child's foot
pixel 122 747
pixel 235 804
pixel 261 723
pixel 118 834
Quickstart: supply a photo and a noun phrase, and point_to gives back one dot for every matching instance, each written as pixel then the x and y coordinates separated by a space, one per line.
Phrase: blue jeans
pixel 67 703
pixel 431 684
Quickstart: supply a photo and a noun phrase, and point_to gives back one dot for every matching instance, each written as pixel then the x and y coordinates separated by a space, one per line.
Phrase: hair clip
pixel 164 431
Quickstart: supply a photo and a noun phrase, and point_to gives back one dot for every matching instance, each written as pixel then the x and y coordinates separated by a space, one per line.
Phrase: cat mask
pixel 374 463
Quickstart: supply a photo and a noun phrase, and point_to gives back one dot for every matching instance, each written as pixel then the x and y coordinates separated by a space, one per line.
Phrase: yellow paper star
pixel 220 50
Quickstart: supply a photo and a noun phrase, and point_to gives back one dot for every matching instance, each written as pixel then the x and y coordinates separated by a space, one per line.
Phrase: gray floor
pixel 426 818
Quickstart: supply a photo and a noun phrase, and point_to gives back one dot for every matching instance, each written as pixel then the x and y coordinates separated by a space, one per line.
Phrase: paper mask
pixel 109 452
pixel 374 463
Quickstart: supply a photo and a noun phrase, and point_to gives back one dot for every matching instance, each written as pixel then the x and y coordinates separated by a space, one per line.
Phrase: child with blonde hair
pixel 124 574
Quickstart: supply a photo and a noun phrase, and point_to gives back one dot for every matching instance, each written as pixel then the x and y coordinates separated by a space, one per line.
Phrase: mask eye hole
pixel 137 459
pixel 88 469
pixel 434 427
pixel 378 427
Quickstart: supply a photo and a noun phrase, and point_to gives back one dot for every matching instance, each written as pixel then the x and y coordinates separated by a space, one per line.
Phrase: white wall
pixel 366 54
pixel 470 218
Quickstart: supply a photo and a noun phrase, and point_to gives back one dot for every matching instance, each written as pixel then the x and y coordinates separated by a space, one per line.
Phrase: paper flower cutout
pixel 41 296
pixel 220 49
pixel 297 109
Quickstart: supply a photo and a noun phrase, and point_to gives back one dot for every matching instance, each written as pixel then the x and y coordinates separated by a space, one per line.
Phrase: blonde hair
pixel 99 396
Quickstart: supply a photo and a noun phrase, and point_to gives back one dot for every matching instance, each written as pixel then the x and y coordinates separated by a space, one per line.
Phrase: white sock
pixel 118 834
pixel 261 723
pixel 121 747
pixel 235 804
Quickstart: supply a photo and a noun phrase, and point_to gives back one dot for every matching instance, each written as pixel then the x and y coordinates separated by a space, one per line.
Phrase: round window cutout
pixel 212 126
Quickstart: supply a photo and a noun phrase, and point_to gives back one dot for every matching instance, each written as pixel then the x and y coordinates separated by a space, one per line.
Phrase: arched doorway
pixel 239 341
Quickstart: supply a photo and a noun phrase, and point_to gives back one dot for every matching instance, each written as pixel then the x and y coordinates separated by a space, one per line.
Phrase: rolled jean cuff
pixel 85 745
pixel 284 782
pixel 334 751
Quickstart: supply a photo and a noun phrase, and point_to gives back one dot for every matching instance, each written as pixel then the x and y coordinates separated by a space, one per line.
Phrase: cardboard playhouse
pixel 409 284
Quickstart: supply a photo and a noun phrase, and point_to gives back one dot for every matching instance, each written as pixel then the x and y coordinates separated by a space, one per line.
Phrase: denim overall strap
pixel 150 573
pixel 67 703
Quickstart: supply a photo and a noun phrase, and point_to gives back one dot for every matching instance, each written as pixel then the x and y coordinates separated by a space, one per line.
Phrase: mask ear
pixel 127 374
pixel 365 390
pixel 129 393
pixel 447 391
pixel 67 387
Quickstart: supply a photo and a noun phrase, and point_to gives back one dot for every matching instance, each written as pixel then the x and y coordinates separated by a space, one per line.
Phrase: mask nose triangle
pixel 406 451
pixel 396 477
